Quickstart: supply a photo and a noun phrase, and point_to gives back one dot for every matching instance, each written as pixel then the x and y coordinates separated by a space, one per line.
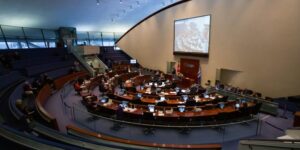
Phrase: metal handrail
pixel 82 61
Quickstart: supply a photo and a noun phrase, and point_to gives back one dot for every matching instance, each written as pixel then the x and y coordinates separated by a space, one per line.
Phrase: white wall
pixel 260 38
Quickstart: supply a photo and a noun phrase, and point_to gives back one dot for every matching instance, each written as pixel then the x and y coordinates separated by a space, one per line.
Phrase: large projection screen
pixel 191 36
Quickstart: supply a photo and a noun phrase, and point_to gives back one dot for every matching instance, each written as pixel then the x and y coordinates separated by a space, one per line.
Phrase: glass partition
pixel 23 38
pixel 108 39
pixel 2 43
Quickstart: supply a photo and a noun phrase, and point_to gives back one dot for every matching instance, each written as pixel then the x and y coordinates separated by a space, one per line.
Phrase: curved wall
pixel 259 38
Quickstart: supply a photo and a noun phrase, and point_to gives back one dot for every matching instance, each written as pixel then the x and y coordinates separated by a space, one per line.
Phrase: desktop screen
pixel 139 95
pixel 151 108
pixel 104 99
pixel 185 97
pixel 133 61
pixel 181 108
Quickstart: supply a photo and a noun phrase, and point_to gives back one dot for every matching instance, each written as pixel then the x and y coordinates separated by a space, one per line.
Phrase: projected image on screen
pixel 192 35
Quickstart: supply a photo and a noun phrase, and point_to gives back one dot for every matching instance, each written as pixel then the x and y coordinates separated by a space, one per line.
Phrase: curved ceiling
pixel 85 15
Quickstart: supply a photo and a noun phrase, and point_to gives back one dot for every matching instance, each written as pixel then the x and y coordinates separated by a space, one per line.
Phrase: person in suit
pixel 120 113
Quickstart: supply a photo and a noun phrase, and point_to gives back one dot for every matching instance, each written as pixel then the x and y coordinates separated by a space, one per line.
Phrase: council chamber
pixel 141 74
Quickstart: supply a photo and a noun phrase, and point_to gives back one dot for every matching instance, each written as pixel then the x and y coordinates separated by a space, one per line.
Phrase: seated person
pixel 72 70
pixel 28 89
pixel 77 87
pixel 162 77
pixel 87 80
pixel 23 107
pixel 208 84
pixel 119 113
pixel 194 89
pixel 102 87
pixel 37 84
pixel 48 80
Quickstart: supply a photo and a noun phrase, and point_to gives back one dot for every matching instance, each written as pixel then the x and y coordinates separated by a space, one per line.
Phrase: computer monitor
pixel 181 108
pixel 206 96
pixel 150 83
pixel 243 100
pixel 133 61
pixel 124 104
pixel 139 95
pixel 162 98
pixel 237 105
pixel 121 91
pixel 151 108
pixel 104 99
pixel 185 97
pixel 177 89
pixel 221 105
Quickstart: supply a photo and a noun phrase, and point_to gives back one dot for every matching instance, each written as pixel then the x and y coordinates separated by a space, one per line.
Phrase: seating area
pixel 9 78
pixel 110 56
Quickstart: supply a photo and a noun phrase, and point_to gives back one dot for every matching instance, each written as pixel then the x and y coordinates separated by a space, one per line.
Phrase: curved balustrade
pixel 40 101
pixel 45 93
pixel 81 132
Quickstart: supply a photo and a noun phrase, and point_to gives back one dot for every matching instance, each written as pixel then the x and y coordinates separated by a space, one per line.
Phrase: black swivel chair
pixel 148 118
pixel 190 103
pixel 163 103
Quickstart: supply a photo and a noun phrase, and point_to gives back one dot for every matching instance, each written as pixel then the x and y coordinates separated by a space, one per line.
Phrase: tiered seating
pixel 15 95
pixel 38 69
pixel 9 78
pixel 2 70
pixel 37 61
pixel 108 53
pixel 15 132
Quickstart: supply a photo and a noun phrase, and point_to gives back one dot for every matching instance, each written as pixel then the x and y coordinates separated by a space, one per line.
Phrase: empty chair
pixel 222 117
pixel 148 117
pixel 163 103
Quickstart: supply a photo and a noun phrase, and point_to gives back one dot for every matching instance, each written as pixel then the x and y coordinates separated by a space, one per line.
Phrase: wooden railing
pixel 45 93
pixel 40 101
pixel 61 81
pixel 141 143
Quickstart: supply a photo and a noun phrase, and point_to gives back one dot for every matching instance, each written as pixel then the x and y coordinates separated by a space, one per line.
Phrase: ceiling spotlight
pixel 121 1
pixel 98 2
